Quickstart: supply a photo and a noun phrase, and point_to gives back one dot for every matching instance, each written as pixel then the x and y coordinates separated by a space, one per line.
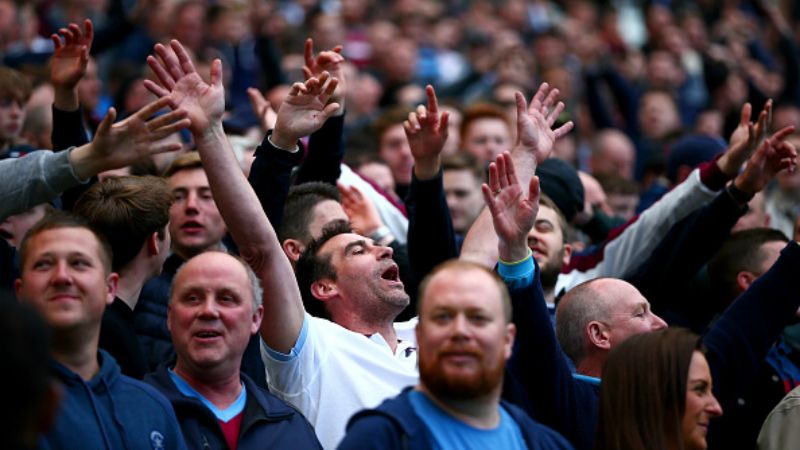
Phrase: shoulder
pixel 374 429
pixel 536 435
pixel 143 395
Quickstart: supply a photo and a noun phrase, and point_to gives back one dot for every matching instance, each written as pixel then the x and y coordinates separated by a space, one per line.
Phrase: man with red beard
pixel 465 336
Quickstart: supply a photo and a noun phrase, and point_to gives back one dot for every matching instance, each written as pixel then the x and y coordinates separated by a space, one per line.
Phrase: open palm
pixel 178 80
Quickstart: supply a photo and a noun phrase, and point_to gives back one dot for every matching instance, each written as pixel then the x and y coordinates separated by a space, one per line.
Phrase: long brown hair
pixel 643 392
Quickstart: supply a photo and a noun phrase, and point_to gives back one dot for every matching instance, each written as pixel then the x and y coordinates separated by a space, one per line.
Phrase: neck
pixel 481 412
pixel 590 366
pixel 131 280
pixel 220 389
pixel 77 352
pixel 358 325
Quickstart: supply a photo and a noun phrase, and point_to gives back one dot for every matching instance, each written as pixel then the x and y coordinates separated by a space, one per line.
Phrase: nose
pixel 658 323
pixel 713 408
pixel 191 202
pixel 61 274
pixel 208 308
pixel 384 252
pixel 15 109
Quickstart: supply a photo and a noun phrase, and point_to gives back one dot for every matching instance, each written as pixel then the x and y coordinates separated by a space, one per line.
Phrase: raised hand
pixel 426 131
pixel 773 155
pixel 262 108
pixel 535 122
pixel 363 215
pixel 69 61
pixel 330 61
pixel 513 212
pixel 745 139
pixel 178 81
pixel 120 144
pixel 304 110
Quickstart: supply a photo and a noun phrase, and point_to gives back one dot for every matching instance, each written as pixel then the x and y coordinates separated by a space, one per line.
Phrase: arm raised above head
pixel 204 103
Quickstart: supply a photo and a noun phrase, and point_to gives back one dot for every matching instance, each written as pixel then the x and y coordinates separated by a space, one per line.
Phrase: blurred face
pixel 617 156
pixel 658 115
pixel 64 278
pixel 211 315
pixel 701 405
pixel 629 312
pixel 394 149
pixel 367 279
pixel 13 229
pixel 464 339
pixel 486 138
pixel 464 198
pixel 546 241
pixel 381 174
pixel 12 116
pixel 194 220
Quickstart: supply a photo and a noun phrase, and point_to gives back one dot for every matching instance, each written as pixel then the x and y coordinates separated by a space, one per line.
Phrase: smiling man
pixel 195 226
pixel 465 336
pixel 67 278
pixel 215 307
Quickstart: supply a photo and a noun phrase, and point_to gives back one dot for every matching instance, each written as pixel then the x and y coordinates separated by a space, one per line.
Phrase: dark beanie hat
pixel 691 151
pixel 561 183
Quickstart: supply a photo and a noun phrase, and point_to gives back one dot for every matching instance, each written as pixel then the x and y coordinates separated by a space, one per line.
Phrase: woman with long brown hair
pixel 656 394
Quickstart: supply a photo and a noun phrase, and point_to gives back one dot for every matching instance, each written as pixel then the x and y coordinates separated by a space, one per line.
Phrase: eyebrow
pixel 348 247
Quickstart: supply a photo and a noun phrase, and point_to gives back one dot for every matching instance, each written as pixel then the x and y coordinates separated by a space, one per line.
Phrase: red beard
pixel 448 382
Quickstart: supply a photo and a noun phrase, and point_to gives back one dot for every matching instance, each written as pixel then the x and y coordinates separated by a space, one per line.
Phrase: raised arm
pixel 535 139
pixel 43 175
pixel 431 239
pixel 177 79
pixel 325 146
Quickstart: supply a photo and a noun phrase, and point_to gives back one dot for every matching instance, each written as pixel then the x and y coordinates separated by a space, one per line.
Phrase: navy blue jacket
pixel 395 425
pixel 736 344
pixel 111 411
pixel 268 422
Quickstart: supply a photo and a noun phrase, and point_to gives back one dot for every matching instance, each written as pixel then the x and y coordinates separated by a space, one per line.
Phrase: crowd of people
pixel 414 224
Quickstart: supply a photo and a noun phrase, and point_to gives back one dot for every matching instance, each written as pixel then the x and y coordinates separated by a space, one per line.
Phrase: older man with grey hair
pixel 214 309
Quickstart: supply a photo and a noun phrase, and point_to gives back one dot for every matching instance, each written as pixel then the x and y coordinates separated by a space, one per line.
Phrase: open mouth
pixel 392 273
pixel 5 234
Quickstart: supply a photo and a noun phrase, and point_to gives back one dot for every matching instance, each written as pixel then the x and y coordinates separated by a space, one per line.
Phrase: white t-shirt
pixel 332 373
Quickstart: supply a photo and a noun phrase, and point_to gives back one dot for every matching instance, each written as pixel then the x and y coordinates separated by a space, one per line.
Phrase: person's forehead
pixel 548 214
pixel 71 239
pixel 462 288
pixel 188 178
pixel 212 270
pixel 335 246
pixel 485 125
pixel 393 133
pixel 460 178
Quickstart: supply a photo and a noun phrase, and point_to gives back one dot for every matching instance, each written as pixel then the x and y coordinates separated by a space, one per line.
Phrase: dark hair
pixel 127 211
pixel 643 393
pixel 312 267
pixel 299 206
pixel 740 252
pixel 59 219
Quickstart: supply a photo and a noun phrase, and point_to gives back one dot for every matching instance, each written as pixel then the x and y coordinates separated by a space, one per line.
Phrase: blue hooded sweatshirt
pixel 111 411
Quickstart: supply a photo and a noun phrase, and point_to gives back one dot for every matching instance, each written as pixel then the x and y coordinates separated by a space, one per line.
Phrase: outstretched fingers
pixel 164 78
pixel 105 125
pixel 183 57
